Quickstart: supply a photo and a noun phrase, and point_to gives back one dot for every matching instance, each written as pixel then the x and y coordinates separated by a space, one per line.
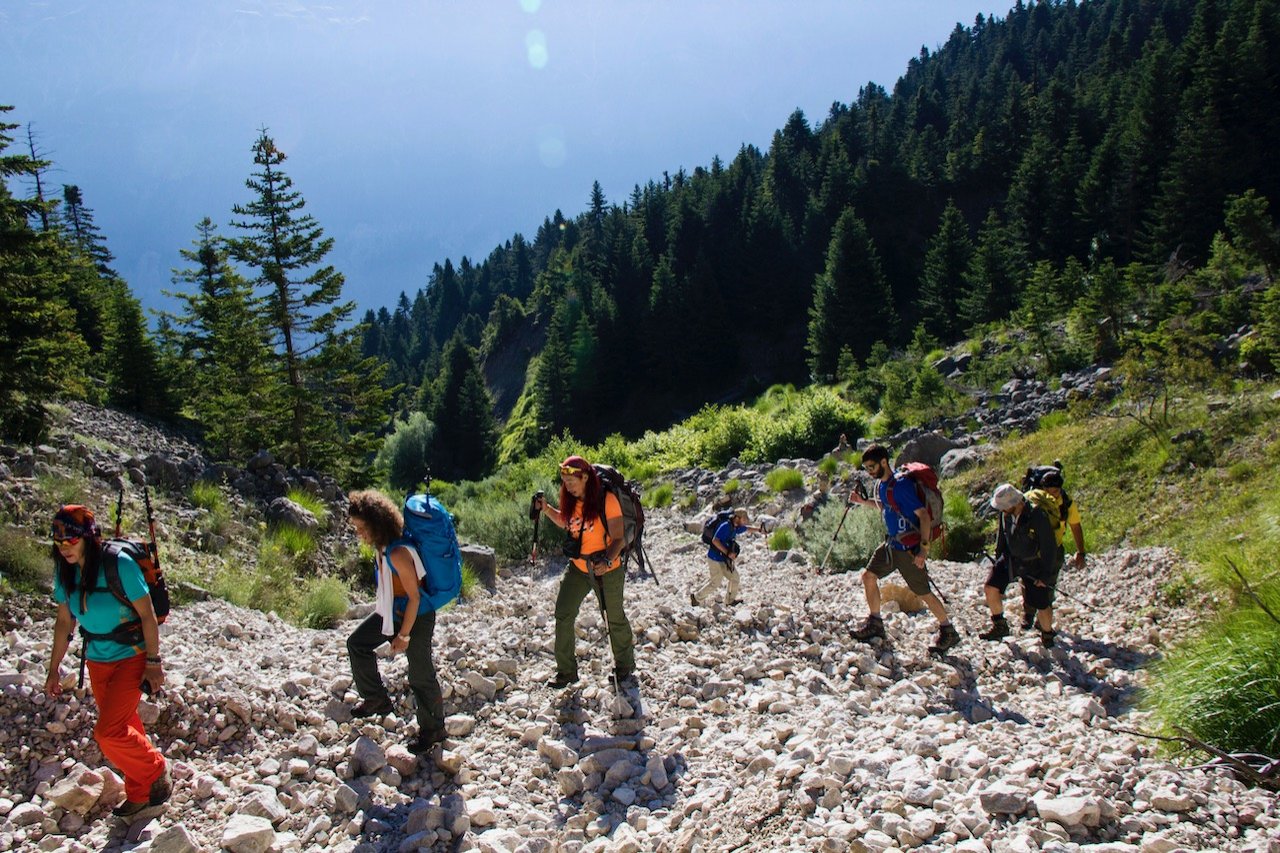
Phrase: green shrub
pixel 659 496
pixel 784 479
pixel 1221 686
pixel 324 602
pixel 208 497
pixel 24 560
pixel 57 489
pixel 862 532
pixel 404 454
pixel 687 500
pixel 966 534
pixel 728 433
pixel 268 586
pixel 732 485
pixel 502 525
pixel 782 539
pixel 291 544
pixel 829 465
pixel 470 581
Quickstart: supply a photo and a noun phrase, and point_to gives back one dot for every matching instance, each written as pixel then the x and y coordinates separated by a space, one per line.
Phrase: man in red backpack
pixel 905 549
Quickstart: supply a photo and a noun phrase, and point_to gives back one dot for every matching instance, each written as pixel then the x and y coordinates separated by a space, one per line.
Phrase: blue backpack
pixel 428 527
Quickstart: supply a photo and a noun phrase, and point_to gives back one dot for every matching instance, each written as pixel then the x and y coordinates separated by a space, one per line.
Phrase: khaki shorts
pixel 886 560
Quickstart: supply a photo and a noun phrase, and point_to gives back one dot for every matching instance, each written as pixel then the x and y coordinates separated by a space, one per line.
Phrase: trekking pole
pixel 604 613
pixel 1063 592
pixel 642 557
pixel 862 493
pixel 823 567
pixel 119 509
pixel 151 528
pixel 535 515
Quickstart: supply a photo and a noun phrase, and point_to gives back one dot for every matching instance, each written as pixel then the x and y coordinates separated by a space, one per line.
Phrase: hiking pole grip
pixel 151 526
pixel 535 515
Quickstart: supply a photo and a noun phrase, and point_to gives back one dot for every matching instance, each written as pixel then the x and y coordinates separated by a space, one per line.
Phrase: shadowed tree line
pixel 1052 160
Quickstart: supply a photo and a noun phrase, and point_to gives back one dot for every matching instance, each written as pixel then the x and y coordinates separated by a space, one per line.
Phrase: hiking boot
pixel 129 809
pixel 693 599
pixel 1047 638
pixel 162 788
pixel 623 677
pixel 372 707
pixel 872 628
pixel 734 602
pixel 948 638
pixel 561 681
pixel 426 739
pixel 999 629
pixel 1028 619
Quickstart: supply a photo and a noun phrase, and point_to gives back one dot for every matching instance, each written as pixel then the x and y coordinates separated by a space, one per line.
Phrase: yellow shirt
pixel 594 536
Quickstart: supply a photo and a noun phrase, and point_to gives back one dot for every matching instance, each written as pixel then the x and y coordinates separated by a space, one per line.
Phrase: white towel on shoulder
pixel 384 599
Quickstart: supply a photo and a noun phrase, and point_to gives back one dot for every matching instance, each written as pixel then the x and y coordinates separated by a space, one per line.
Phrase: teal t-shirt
pixel 103 612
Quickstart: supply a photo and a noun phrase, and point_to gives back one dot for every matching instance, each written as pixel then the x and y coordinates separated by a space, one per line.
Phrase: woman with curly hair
pixel 121 649
pixel 593 518
pixel 402 613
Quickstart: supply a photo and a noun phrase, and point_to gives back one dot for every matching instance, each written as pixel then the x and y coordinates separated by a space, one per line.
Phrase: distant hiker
pixel 722 555
pixel 1025 548
pixel 1051 481
pixel 402 613
pixel 593 518
pixel 121 646
pixel 842 448
pixel 909 531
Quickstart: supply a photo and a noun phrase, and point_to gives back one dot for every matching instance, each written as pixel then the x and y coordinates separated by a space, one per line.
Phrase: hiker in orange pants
pixel 117 687
pixel 122 649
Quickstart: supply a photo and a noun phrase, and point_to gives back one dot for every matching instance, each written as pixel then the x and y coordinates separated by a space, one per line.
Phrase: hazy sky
pixel 421 130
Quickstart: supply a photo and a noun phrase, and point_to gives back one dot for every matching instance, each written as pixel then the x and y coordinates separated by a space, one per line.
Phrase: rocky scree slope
pixel 757 727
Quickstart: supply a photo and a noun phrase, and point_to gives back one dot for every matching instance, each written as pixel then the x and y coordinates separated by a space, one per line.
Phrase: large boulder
pixel 285 511
pixel 964 458
pixel 483 561
pixel 928 448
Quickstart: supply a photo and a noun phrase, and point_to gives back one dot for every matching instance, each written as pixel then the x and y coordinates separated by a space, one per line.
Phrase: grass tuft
pixel 784 479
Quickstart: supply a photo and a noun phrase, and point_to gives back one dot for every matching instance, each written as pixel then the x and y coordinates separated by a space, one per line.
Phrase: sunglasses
pixel 66 540
pixel 572 471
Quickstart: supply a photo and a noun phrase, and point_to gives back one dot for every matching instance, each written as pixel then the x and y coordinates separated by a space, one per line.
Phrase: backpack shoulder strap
pixel 111 573
pixel 411 546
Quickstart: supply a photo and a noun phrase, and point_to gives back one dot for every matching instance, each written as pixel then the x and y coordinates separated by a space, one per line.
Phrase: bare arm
pixel 154 673
pixel 62 625
pixel 404 567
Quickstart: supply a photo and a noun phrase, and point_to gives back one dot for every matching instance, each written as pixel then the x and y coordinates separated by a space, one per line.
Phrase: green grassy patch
pixel 25 561
pixel 324 602
pixel 782 539
pixel 784 479
pixel 659 496
pixel 311 504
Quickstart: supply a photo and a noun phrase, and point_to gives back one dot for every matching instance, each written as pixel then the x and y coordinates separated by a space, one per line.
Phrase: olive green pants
pixel 574 587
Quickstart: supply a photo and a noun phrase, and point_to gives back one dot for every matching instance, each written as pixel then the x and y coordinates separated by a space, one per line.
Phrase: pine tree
pixel 946 264
pixel 852 306
pixel 221 339
pixel 135 380
pixel 286 249
pixel 41 354
pixel 991 282
pixel 463 445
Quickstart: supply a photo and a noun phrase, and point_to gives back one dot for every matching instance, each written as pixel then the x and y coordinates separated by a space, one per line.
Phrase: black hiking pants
pixel 421 672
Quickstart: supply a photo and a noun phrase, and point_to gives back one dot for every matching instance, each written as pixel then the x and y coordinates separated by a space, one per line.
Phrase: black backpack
pixel 1034 479
pixel 713 523
pixel 628 494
